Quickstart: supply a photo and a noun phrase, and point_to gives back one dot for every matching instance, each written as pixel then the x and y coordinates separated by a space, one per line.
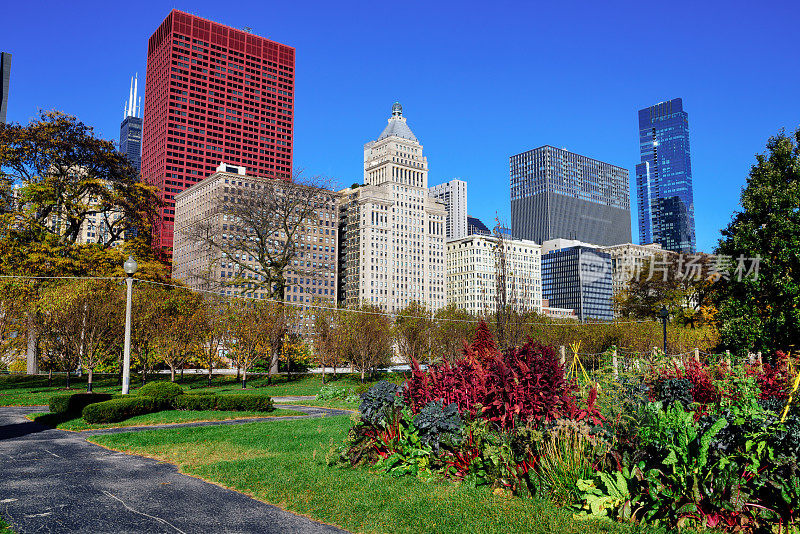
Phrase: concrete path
pixel 56 481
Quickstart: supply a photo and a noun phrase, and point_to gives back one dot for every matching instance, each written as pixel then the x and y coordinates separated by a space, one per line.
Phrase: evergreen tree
pixel 762 313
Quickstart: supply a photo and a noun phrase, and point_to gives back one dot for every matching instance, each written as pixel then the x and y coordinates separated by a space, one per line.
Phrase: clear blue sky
pixel 479 81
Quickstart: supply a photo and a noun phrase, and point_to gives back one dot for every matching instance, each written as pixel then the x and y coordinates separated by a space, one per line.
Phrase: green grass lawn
pixel 159 418
pixel 22 390
pixel 284 463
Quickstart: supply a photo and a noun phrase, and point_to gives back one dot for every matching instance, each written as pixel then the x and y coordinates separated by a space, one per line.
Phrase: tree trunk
pixel 32 352
pixel 362 375
pixel 210 370
pixel 50 378
pixel 89 383
pixel 172 373
pixel 244 378
pixel 323 370
pixel 182 373
pixel 67 378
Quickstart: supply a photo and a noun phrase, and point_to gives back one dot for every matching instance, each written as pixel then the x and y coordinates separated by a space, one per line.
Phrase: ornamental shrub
pixel 198 403
pixel 74 403
pixel 161 390
pixel 244 403
pixel 522 385
pixel 115 410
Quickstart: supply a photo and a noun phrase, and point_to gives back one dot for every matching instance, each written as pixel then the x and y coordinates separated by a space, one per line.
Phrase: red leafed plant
pixel 703 389
pixel 522 385
pixel 773 380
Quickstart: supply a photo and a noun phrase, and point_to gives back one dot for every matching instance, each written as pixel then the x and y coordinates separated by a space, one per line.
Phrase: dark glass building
pixel 579 278
pixel 130 131
pixel 476 227
pixel 664 178
pixel 559 194
pixel 5 79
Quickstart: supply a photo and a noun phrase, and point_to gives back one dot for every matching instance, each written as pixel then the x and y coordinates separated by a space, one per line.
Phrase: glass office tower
pixel 664 178
pixel 556 193
pixel 579 278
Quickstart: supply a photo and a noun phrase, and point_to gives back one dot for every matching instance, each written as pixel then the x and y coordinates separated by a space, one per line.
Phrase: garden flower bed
pixel 676 444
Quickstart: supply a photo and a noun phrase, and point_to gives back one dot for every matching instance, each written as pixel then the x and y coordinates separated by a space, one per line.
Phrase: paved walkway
pixel 56 481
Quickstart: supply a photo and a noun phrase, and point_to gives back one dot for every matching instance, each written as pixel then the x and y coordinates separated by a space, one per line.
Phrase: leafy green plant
pixel 381 403
pixel 438 424
pixel 608 496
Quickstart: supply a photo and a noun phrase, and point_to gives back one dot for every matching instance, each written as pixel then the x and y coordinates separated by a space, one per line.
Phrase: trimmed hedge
pixel 74 403
pixel 160 390
pixel 198 403
pixel 244 403
pixel 116 410
pixel 227 403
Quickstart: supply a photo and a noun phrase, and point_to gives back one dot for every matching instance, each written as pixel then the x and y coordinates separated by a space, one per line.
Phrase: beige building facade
pixel 392 232
pixel 311 276
pixel 629 261
pixel 472 274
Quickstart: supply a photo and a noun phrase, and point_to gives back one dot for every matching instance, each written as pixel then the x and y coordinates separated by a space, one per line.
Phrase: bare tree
pixel 265 235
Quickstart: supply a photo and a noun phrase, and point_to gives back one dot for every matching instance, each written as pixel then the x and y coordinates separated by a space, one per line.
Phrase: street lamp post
pixel 130 268
pixel 664 313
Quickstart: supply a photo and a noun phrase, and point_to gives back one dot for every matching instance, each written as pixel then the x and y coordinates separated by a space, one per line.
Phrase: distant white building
pixel 391 231
pixel 454 196
pixel 472 274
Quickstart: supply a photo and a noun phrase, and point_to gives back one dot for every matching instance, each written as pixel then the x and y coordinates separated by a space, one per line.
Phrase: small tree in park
pixel 86 314
pixel 180 327
pixel 413 333
pixel 369 343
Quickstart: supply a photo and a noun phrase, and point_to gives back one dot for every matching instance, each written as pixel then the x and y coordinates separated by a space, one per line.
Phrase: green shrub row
pixel 160 390
pixel 115 410
pixel 227 403
pixel 74 403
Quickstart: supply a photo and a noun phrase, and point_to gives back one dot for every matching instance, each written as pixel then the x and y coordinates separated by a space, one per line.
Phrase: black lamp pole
pixel 664 313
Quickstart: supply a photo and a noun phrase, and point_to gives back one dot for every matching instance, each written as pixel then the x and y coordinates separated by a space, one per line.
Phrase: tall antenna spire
pixel 135 90
pixel 140 107
pixel 130 99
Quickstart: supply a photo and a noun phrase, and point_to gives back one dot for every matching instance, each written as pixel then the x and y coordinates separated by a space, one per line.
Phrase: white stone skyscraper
pixel 454 196
pixel 392 232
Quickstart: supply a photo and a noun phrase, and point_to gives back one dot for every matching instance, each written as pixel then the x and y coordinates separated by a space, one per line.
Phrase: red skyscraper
pixel 214 94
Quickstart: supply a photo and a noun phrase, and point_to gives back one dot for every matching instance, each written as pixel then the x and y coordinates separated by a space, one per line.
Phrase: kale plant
pixel 380 404
pixel 438 424
pixel 675 389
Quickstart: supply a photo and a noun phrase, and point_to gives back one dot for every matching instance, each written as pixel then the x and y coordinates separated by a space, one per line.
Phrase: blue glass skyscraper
pixel 130 131
pixel 664 178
